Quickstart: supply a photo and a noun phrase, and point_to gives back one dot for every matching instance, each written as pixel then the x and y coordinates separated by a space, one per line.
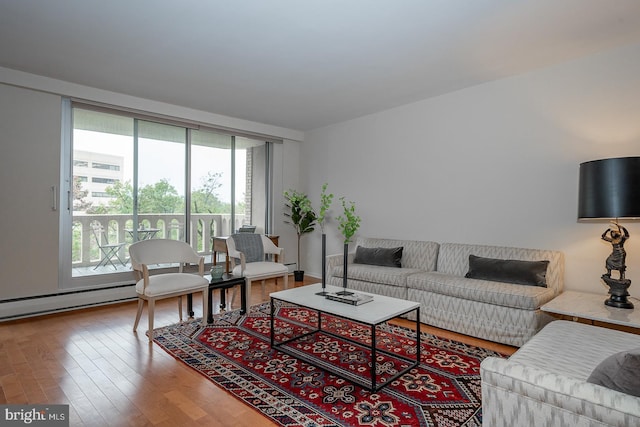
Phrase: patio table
pixel 143 233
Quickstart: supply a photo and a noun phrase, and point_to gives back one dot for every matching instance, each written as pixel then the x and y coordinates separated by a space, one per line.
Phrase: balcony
pixel 86 254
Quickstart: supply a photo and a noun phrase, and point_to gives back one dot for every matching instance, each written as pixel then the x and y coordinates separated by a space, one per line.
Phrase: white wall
pixel 491 164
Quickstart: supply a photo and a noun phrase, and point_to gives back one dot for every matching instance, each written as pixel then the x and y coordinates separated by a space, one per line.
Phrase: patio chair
pixel 166 285
pixel 108 250
pixel 249 255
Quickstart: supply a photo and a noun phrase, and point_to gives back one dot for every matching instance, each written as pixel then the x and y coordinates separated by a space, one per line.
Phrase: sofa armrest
pixel 514 394
pixel 337 260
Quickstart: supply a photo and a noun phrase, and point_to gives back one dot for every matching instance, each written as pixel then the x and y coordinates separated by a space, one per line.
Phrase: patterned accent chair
pixel 251 257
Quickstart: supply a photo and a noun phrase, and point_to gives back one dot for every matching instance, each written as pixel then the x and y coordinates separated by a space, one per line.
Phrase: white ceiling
pixel 302 64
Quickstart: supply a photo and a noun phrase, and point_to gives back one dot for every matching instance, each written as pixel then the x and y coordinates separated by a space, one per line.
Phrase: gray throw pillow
pixel 532 273
pixel 386 257
pixel 620 372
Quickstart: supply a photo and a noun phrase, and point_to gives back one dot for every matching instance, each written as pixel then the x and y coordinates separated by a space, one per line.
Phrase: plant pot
pixel 298 275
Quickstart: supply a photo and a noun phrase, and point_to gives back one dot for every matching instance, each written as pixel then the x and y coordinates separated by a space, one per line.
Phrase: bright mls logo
pixel 34 415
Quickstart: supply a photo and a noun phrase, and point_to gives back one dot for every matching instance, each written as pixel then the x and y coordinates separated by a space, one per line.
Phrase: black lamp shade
pixel 610 188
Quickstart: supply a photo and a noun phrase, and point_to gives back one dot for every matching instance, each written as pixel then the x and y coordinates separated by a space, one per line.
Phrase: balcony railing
pixel 202 229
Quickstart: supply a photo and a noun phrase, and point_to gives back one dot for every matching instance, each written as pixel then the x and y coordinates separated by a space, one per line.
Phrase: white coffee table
pixel 590 308
pixel 371 314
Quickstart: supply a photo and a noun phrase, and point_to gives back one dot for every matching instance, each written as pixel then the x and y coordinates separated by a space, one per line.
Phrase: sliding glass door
pixel 132 179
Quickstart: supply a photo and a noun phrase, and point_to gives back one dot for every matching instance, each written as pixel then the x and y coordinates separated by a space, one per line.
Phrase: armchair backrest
pixel 249 244
pixel 161 251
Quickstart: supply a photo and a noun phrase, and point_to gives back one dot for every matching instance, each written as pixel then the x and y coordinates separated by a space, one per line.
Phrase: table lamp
pixel 610 189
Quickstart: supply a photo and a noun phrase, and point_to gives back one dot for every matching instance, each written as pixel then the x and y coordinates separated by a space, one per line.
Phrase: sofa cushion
pixel 386 257
pixel 392 276
pixel 486 291
pixel 532 273
pixel 620 372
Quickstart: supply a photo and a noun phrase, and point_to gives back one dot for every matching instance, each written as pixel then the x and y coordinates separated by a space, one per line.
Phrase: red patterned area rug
pixel 235 353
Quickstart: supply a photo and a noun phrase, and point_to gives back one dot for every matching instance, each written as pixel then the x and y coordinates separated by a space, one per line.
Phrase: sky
pixel 162 159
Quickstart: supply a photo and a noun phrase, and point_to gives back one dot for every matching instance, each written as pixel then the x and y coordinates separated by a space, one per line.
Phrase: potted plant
pixel 325 204
pixel 301 216
pixel 348 224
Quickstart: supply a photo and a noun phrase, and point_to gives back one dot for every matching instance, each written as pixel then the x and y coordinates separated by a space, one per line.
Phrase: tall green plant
pixel 348 222
pixel 300 215
pixel 325 204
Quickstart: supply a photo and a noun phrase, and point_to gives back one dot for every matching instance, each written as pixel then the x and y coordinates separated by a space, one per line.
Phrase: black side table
pixel 227 281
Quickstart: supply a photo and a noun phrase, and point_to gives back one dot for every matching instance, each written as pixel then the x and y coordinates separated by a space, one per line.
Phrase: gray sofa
pixel 544 383
pixel 434 275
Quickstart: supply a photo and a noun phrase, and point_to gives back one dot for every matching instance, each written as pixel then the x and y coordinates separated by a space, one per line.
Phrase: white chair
pixel 166 285
pixel 250 256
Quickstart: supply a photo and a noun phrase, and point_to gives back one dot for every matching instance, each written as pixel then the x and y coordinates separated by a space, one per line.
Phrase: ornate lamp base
pixel 618 291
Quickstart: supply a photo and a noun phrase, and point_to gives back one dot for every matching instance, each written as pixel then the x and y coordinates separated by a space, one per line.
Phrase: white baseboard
pixel 291 267
pixel 47 304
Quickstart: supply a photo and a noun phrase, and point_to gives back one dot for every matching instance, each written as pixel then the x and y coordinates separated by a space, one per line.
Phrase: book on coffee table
pixel 354 299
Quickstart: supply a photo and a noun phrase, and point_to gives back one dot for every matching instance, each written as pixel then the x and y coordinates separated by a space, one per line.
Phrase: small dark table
pixel 228 281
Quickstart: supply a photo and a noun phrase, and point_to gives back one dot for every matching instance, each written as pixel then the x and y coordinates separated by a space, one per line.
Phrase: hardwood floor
pixel 111 376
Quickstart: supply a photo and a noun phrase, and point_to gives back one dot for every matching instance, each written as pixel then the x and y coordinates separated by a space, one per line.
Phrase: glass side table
pixel 227 281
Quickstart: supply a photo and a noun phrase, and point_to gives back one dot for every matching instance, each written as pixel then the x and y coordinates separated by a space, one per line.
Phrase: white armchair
pixel 544 383
pixel 166 285
pixel 249 257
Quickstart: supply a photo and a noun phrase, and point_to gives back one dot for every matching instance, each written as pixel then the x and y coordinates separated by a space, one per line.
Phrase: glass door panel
pixel 211 185
pixel 250 183
pixel 102 175
pixel 160 185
